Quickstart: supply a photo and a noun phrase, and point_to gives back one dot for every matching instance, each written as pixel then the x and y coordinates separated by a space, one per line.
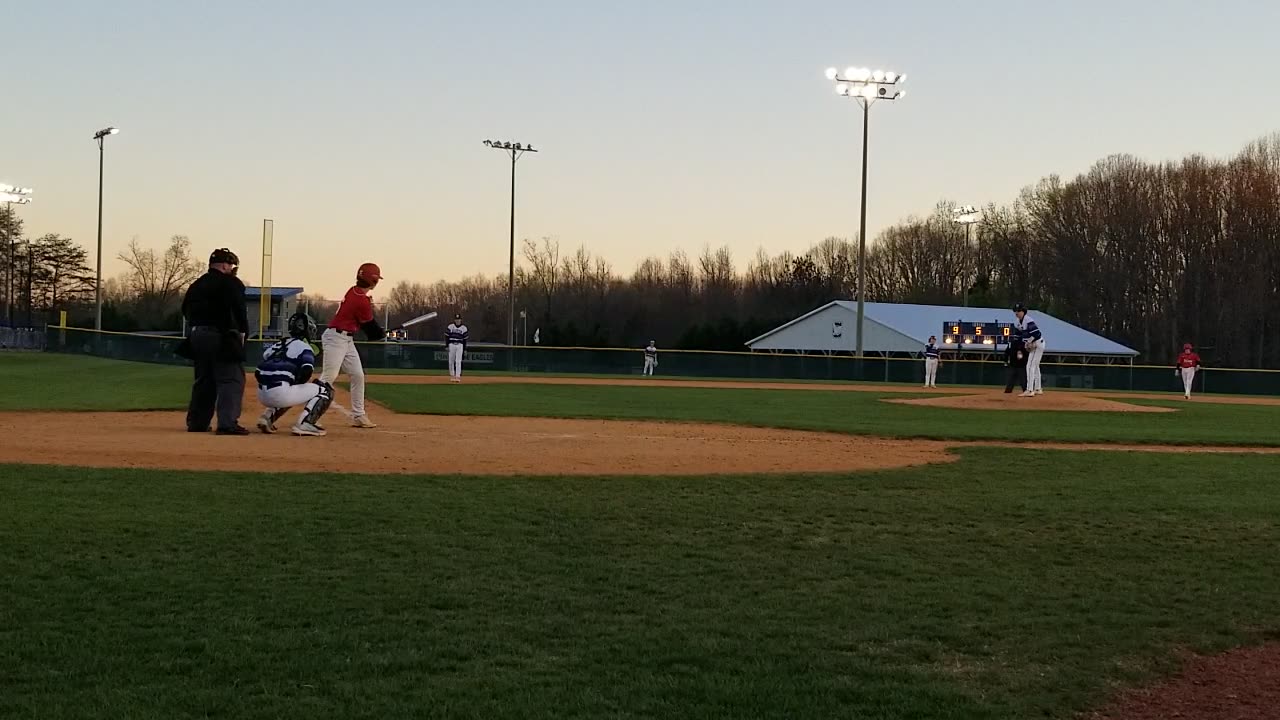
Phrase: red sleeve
pixel 363 307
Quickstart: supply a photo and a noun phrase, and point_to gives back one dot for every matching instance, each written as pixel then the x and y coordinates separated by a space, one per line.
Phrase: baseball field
pixel 586 548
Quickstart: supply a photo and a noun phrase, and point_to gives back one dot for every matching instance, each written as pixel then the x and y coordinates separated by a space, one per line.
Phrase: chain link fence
pixel 21 339
pixel 696 364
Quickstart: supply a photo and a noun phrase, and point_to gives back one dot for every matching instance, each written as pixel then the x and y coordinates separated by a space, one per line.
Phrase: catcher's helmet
pixel 369 273
pixel 301 326
pixel 223 255
pixel 1019 307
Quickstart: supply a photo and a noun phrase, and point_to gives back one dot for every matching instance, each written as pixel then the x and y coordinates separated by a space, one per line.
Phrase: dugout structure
pixel 901 330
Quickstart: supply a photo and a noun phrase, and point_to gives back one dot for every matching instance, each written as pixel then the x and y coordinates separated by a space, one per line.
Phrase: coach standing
pixel 215 311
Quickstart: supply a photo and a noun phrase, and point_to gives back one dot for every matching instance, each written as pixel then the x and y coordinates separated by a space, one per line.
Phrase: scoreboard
pixel 976 335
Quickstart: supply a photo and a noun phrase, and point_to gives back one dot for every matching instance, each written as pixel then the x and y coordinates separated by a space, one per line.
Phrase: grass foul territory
pixel 861 413
pixel 1025 587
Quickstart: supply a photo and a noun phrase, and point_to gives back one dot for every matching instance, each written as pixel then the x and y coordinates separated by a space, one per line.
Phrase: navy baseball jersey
pixel 287 362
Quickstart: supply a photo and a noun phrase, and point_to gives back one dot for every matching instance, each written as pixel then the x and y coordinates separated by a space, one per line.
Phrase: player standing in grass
pixel 650 358
pixel 339 341
pixel 1033 341
pixel 932 360
pixel 455 339
pixel 1187 365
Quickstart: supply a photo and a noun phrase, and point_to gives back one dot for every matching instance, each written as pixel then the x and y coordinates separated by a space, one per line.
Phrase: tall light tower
pixel 968 216
pixel 10 196
pixel 97 286
pixel 515 150
pixel 867 87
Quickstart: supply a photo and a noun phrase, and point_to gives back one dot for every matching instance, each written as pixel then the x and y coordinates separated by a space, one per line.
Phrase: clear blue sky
pixel 664 125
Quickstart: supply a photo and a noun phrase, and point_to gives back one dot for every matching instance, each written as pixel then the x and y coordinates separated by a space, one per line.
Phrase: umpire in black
pixel 215 311
pixel 1015 360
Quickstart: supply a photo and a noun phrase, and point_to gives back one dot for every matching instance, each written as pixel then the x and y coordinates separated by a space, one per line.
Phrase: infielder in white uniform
pixel 932 359
pixel 455 339
pixel 1033 340
pixel 650 358
pixel 283 381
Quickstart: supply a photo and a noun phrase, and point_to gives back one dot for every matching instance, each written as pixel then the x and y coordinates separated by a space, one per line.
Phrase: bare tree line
pixel 1149 254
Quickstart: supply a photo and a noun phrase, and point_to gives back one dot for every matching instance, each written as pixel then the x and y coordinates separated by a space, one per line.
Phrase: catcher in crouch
pixel 284 380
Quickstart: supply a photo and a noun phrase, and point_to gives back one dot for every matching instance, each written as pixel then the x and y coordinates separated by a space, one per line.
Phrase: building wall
pixel 281 309
pixel 819 333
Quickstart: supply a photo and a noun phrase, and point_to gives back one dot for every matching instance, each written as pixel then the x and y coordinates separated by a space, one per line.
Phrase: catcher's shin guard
pixel 277 413
pixel 318 404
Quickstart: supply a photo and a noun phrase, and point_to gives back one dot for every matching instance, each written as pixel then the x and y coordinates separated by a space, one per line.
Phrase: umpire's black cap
pixel 223 255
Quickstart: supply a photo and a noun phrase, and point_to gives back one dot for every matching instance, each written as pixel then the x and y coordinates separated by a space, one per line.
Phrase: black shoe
pixel 237 430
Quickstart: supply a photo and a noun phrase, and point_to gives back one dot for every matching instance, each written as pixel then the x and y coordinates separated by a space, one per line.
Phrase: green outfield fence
pixel 702 364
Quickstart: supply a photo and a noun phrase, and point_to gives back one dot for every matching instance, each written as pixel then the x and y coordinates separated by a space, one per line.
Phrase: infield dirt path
pixel 430 444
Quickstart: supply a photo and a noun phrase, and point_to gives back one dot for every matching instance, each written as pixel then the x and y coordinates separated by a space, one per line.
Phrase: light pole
pixel 867 87
pixel 11 196
pixel 97 286
pixel 515 150
pixel 968 216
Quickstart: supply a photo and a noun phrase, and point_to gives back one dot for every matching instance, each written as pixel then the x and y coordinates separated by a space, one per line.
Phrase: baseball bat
pixel 415 321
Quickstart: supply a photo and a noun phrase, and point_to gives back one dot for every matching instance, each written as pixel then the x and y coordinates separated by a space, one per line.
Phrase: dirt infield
pixel 444 445
pixel 1241 684
pixel 1065 402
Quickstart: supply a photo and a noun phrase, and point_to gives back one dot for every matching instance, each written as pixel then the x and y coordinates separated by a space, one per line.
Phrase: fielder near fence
pixel 701 364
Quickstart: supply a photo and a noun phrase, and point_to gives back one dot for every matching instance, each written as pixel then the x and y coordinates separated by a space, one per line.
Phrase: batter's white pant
pixel 1188 376
pixel 455 360
pixel 1033 368
pixel 287 396
pixel 649 365
pixel 340 356
pixel 931 372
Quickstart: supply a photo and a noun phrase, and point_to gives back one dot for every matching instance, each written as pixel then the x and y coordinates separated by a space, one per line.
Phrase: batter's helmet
pixel 369 273
pixel 223 255
pixel 1019 307
pixel 302 326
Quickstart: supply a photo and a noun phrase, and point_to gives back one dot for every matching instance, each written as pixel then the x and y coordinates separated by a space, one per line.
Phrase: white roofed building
pixel 895 329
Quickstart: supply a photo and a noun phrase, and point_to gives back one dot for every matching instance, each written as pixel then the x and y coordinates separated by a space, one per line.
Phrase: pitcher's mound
pixel 1049 401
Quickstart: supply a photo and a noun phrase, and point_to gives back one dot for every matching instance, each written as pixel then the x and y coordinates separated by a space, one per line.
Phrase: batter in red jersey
pixel 355 314
pixel 1188 364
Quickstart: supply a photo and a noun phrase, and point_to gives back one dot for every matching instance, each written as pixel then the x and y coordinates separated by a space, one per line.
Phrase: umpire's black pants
pixel 219 381
pixel 1017 375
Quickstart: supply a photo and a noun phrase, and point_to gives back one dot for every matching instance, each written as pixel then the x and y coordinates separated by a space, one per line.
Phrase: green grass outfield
pixel 1016 584
pixel 59 382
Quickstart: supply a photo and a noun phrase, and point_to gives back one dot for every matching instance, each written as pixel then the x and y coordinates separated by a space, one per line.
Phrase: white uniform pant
pixel 340 356
pixel 287 396
pixel 455 360
pixel 1033 367
pixel 649 364
pixel 1188 377
pixel 931 372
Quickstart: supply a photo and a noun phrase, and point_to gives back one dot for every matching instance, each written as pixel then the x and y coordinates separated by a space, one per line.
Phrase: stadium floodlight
pixel 867 87
pixel 97 285
pixel 968 216
pixel 515 150
pixel 12 195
